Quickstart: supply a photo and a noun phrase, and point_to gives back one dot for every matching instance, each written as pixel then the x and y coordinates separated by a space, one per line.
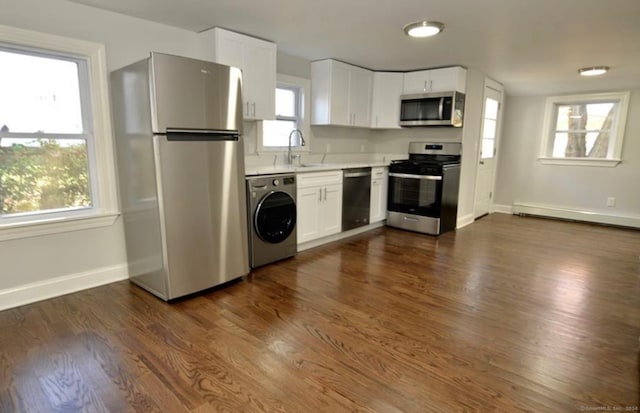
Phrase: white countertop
pixel 314 167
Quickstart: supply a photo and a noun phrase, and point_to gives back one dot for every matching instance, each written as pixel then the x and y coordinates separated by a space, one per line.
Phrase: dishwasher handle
pixel 356 173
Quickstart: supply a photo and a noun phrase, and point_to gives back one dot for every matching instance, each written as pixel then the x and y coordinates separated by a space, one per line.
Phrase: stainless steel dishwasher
pixel 356 197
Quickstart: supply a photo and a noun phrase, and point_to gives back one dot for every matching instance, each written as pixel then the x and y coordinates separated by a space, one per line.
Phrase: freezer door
pixel 194 94
pixel 202 206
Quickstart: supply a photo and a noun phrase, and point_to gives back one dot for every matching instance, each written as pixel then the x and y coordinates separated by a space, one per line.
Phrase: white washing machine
pixel 272 218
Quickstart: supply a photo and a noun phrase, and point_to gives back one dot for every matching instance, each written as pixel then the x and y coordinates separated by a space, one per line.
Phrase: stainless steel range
pixel 423 190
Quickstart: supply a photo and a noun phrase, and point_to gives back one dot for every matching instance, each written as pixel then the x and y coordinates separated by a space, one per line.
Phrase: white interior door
pixel 490 130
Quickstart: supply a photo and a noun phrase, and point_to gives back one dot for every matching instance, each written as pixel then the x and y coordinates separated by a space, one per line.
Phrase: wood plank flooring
pixel 509 314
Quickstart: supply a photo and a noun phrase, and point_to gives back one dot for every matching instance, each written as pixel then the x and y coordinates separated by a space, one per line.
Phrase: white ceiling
pixel 531 46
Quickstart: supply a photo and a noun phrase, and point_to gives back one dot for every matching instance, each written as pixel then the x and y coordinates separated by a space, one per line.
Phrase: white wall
pixel 31 268
pixel 521 178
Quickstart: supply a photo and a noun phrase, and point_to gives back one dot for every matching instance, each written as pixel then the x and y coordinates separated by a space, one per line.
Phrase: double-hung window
pixel 584 129
pixel 291 102
pixel 56 162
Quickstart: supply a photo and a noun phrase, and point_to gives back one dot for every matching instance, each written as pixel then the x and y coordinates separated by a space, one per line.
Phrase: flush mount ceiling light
pixel 423 29
pixel 593 71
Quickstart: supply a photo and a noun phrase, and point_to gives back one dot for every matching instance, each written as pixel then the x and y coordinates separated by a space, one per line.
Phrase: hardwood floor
pixel 508 314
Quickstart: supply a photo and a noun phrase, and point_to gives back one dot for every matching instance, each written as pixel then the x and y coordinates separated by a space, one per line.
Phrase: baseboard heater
pixel 576 215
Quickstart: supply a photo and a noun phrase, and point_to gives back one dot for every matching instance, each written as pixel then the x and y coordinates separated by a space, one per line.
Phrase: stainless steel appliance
pixel 432 109
pixel 423 190
pixel 356 197
pixel 178 125
pixel 272 218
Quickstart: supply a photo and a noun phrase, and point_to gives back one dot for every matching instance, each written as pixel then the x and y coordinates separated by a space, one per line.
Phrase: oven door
pixel 415 194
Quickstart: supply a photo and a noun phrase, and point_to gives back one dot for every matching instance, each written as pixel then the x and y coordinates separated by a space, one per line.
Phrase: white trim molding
pixel 577 215
pixel 465 220
pixel 339 236
pixel 502 209
pixel 55 226
pixel 579 161
pixel 55 287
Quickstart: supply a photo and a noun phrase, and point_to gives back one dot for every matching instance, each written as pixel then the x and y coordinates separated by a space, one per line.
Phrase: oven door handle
pixel 441 109
pixel 411 176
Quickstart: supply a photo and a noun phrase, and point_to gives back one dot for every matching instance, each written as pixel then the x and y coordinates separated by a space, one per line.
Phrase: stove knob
pixel 276 182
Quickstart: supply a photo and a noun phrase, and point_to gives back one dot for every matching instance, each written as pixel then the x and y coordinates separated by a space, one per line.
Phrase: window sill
pixel 580 162
pixel 55 226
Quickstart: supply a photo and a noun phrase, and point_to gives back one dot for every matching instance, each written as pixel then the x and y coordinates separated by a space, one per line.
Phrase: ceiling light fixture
pixel 423 29
pixel 593 71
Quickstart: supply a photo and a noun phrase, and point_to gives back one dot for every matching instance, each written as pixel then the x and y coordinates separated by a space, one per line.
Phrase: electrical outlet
pixel 611 201
pixel 328 148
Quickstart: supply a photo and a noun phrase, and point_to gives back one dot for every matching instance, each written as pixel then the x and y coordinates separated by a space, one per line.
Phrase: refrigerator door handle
pixel 175 134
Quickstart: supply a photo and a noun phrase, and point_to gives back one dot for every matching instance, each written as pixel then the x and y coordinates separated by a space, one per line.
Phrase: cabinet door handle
pixel 325 194
pixel 424 89
pixel 247 111
pixel 320 194
pixel 253 106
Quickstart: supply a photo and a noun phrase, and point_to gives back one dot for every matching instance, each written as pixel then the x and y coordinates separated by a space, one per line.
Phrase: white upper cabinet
pixel 340 94
pixel 385 105
pixel 436 80
pixel 257 59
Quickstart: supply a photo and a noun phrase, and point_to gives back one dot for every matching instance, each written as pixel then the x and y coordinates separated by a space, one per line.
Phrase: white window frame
pixel 104 210
pixel 304 87
pixel 614 156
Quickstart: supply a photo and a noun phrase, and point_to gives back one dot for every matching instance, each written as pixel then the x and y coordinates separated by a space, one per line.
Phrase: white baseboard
pixel 42 290
pixel 341 235
pixel 464 221
pixel 502 209
pixel 577 215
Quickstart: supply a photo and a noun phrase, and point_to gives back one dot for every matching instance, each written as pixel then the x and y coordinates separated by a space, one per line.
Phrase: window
pixel 584 129
pixel 489 128
pixel 56 163
pixel 291 101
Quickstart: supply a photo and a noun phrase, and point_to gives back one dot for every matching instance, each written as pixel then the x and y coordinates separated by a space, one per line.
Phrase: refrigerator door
pixel 202 209
pixel 189 94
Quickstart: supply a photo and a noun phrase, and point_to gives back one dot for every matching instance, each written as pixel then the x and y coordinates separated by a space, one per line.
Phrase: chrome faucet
pixel 302 143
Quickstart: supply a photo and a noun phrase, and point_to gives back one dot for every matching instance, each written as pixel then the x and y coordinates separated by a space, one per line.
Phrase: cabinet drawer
pixel 310 179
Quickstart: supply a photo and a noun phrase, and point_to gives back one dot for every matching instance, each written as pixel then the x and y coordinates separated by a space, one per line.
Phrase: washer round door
pixel 275 217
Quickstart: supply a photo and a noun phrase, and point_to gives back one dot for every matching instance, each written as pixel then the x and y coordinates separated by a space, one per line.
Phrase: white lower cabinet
pixel 319 205
pixel 379 184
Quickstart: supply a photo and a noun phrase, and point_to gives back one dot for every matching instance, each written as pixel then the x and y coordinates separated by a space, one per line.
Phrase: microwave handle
pixel 441 109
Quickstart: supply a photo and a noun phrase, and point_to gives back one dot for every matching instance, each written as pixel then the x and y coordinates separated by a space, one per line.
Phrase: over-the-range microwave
pixel 432 109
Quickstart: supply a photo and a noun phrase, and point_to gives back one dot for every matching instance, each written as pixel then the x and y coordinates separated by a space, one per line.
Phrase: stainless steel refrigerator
pixel 178 128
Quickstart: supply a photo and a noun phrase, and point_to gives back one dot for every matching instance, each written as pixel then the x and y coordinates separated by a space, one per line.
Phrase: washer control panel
pixel 269 183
